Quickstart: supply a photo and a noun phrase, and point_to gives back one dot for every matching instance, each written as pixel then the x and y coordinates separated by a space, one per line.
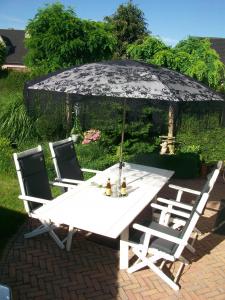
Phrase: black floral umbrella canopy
pixel 122 80
pixel 125 79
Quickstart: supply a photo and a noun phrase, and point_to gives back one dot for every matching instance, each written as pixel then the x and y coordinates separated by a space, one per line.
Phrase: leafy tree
pixel 2 52
pixel 146 49
pixel 128 24
pixel 57 38
pixel 204 63
pixel 193 57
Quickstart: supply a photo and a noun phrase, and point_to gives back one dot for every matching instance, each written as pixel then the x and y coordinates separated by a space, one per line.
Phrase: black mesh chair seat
pixel 35 177
pixel 157 243
pixel 67 161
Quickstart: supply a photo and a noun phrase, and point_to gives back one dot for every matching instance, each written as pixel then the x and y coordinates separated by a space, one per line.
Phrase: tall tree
pixel 128 24
pixel 57 38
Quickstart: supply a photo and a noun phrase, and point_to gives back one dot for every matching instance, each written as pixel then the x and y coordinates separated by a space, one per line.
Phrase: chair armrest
pixel 33 199
pixel 175 203
pixel 159 234
pixel 187 190
pixel 170 210
pixel 64 185
pixel 68 181
pixel 90 170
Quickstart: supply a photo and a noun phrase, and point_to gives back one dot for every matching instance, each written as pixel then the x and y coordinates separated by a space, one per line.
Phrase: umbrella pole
pixel 68 114
pixel 121 143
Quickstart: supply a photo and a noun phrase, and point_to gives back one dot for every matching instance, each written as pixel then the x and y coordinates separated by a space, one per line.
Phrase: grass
pixel 12 213
pixel 11 85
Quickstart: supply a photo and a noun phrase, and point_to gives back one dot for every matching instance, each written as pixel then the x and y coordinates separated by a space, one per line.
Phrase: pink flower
pixel 91 135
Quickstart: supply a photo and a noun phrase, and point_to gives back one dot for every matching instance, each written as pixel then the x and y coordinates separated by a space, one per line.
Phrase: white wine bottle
pixel 108 188
pixel 123 190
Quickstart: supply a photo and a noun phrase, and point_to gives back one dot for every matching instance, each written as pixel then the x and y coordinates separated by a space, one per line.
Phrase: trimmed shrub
pixel 185 165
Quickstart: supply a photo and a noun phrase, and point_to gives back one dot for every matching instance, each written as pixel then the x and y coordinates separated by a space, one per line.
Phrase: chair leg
pixel 147 262
pixel 184 260
pixel 37 231
pixel 197 231
pixel 69 238
pixel 162 275
pixel 177 276
pixel 162 264
pixel 45 227
pixel 190 248
pixel 136 267
pixel 56 239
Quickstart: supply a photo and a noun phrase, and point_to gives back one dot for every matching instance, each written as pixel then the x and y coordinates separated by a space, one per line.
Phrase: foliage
pixel 146 49
pixel 11 87
pixel 128 24
pixel 204 63
pixel 15 124
pixel 202 134
pixel 95 156
pixel 13 80
pixel 210 144
pixel 139 136
pixel 57 38
pixel 185 165
pixel 139 130
pixel 193 57
pixel 49 127
pixel 2 52
pixel 5 155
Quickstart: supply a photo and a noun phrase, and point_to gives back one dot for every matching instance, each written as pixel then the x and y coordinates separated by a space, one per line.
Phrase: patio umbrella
pixel 124 80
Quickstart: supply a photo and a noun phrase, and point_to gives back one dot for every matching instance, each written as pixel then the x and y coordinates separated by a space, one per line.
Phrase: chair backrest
pixel 65 160
pixel 211 180
pixel 212 177
pixel 186 231
pixel 32 175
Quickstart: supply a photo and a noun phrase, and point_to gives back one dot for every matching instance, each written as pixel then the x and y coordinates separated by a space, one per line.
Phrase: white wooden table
pixel 87 208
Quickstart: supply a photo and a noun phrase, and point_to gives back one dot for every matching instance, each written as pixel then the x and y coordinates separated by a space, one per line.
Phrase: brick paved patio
pixel 37 269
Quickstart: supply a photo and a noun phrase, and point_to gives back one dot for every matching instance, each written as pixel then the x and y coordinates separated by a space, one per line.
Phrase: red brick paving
pixel 36 269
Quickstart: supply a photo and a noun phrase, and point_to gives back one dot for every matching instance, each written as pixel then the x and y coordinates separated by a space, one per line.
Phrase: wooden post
pixel 171 129
pixel 171 121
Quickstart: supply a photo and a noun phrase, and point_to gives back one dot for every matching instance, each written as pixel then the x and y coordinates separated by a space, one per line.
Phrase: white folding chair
pixel 156 242
pixel 66 163
pixel 35 189
pixel 175 211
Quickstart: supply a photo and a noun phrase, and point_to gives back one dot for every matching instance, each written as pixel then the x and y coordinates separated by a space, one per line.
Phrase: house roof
pixel 14 40
pixel 218 44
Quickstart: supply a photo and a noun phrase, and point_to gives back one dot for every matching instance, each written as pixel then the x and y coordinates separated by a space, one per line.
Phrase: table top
pixel 87 207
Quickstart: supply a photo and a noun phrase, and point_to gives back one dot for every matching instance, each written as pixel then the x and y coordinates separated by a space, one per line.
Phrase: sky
pixel 171 20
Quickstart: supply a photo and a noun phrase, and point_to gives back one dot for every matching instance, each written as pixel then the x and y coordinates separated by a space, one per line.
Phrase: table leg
pixel 124 249
pixel 69 238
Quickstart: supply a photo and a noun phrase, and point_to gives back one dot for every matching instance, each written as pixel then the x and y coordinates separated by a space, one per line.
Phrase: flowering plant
pixel 91 135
